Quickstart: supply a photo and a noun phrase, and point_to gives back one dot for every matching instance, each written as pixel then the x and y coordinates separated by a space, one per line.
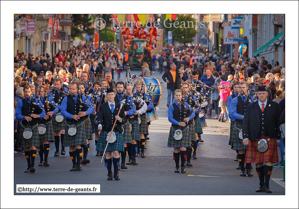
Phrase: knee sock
pixel 56 143
pixel 27 156
pixel 194 145
pixel 85 150
pixel 183 158
pixel 95 142
pixel 248 166
pixel 176 157
pixel 189 151
pixel 260 173
pixel 108 164
pixel 241 158
pixel 142 145
pixel 79 155
pixel 138 146
pixel 123 156
pixel 73 157
pixel 41 152
pixel 129 150
pixel 62 141
pixel 46 151
pixel 115 165
pixel 267 174
pixel 33 156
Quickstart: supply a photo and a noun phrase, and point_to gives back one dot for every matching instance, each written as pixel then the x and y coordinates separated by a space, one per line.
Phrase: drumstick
pixel 121 105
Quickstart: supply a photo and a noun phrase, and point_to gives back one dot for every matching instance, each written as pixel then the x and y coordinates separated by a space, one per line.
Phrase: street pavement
pixel 213 173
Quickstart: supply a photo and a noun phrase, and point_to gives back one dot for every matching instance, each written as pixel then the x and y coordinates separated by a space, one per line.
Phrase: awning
pixel 241 40
pixel 267 48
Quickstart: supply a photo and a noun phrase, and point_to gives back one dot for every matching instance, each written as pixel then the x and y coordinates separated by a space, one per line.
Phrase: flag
pixel 129 17
pixel 121 18
pixel 151 18
pixel 168 16
pixel 136 18
pixel 114 18
pixel 173 16
pixel 142 18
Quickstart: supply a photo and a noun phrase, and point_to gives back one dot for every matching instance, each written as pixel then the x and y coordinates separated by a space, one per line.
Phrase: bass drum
pixel 151 116
pixel 151 86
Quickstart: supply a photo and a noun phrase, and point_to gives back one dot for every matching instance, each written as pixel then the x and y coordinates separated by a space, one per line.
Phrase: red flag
pixel 136 19
pixel 151 18
pixel 129 17
pixel 173 16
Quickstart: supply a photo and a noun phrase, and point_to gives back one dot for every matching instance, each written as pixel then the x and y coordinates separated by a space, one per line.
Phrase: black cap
pixel 261 88
pixel 110 90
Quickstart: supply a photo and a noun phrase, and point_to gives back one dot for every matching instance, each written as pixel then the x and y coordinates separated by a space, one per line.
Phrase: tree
pixel 183 28
pixel 81 25
pixel 110 35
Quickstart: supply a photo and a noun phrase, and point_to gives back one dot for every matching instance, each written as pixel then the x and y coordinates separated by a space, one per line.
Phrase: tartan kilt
pixel 80 137
pixel 127 137
pixel 118 145
pixel 88 129
pixel 135 131
pixel 192 132
pixel 49 135
pixel 143 129
pixel 198 128
pixel 94 127
pixel 184 142
pixel 34 141
pixel 235 142
pixel 58 126
pixel 254 156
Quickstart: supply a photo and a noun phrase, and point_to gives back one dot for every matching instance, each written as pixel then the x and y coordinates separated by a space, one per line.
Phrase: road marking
pixel 201 175
pixel 279 182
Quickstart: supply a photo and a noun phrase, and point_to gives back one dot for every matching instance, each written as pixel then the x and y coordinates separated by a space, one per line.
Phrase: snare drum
pixel 151 116
pixel 203 120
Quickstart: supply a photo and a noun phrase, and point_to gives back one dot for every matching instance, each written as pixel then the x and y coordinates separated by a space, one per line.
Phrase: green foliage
pixel 81 22
pixel 110 35
pixel 183 31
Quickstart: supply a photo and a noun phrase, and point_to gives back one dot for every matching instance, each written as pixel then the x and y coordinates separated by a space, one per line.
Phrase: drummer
pixel 179 114
pixel 49 106
pixel 75 118
pixel 108 113
pixel 88 105
pixel 29 119
pixel 190 99
pixel 143 126
pixel 130 110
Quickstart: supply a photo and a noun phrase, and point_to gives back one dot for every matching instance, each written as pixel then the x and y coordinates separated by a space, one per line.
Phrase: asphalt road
pixel 213 173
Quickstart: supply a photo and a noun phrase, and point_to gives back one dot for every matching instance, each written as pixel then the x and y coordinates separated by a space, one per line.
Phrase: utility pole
pixel 105 28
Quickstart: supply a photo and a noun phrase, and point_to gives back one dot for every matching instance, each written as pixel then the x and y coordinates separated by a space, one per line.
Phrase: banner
pixel 215 18
pixel 61 35
pixel 169 37
pixel 30 28
pixel 230 33
pixel 206 18
pixel 66 22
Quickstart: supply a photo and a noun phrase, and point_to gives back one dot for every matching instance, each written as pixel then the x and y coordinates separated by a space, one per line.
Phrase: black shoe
pixel 109 176
pixel 130 162
pixel 134 162
pixel 242 173
pixel 194 156
pixel 56 154
pixel 62 152
pixel 116 177
pixel 176 170
pixel 79 168
pixel 260 189
pixel 46 164
pixel 147 139
pixel 143 155
pixel 189 164
pixel 236 159
pixel 238 167
pixel 183 170
pixel 200 140
pixel 138 154
pixel 123 166
pixel 74 168
pixel 85 161
pixel 41 163
pixel 98 153
pixel 27 170
pixel 118 167
pixel 249 173
pixel 32 169
pixel 268 190
pixel 101 154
